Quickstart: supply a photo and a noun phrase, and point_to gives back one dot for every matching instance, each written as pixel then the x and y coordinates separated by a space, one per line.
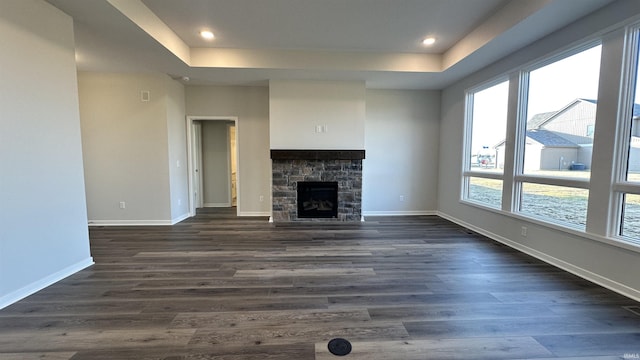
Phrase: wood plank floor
pixel 220 287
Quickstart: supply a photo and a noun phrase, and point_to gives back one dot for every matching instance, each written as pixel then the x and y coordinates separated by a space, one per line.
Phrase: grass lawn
pixel 557 203
pixel 554 191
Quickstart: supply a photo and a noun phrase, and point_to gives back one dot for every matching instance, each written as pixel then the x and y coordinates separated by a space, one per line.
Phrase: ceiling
pixel 376 41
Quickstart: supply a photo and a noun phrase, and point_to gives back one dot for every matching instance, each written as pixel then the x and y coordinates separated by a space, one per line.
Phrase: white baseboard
pixel 138 222
pixel 179 218
pixel 130 222
pixel 217 204
pixel 399 213
pixel 36 286
pixel 576 270
pixel 254 213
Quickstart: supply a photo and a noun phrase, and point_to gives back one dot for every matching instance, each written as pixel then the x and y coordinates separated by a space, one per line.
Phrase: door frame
pixel 190 157
pixel 197 163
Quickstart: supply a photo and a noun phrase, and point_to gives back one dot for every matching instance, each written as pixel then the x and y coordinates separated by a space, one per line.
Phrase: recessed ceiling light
pixel 429 41
pixel 207 34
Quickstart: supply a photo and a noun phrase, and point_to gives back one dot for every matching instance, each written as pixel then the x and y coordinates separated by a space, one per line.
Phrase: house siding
pixel 574 120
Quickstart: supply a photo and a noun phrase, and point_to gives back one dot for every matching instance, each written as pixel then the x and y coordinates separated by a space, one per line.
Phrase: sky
pixel 551 87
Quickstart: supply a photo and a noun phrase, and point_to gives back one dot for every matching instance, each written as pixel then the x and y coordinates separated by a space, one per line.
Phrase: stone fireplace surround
pixel 291 166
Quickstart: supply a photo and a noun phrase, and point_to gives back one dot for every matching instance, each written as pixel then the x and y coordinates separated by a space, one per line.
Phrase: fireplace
pixel 317 199
pixel 336 179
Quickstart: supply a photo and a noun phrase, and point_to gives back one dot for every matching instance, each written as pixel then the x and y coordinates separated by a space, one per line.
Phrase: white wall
pixel 297 108
pixel 127 157
pixel 43 218
pixel 215 164
pixel 177 137
pixel 251 106
pixel 588 255
pixel 402 132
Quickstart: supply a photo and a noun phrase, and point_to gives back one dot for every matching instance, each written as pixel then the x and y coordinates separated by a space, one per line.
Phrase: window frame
pixel 467 171
pixel 520 177
pixel 607 184
pixel 620 185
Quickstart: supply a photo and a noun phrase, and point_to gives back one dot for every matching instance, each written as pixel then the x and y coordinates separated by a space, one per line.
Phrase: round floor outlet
pixel 339 347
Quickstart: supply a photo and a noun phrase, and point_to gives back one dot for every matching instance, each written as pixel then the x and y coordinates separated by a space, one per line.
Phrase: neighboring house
pixel 563 139
pixel 546 150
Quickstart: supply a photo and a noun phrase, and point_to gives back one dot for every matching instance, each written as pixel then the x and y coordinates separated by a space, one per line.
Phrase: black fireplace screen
pixel 317 199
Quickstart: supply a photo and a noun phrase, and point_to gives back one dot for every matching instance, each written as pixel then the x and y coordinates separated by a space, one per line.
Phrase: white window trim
pixel 621 185
pixel 467 136
pixel 555 181
pixel 519 177
pixel 627 188
pixel 486 175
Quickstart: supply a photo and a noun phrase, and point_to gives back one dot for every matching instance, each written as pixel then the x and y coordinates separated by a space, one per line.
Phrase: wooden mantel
pixel 317 154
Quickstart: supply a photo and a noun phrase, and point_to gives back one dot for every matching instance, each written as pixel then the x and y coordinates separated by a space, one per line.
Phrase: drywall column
pixel 43 216
pixel 177 137
pixel 317 115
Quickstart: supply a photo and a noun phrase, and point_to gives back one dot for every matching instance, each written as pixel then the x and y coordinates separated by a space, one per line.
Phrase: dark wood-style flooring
pixel 407 288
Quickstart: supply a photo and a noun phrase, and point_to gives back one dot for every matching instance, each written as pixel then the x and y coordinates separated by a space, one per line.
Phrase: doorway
pixel 213 163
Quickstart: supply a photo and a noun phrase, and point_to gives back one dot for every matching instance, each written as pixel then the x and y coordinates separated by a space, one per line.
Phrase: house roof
pixel 549 138
pixel 636 107
pixel 539 119
pixel 546 138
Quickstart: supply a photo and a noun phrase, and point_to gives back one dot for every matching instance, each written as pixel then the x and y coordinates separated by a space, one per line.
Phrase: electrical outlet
pixel 123 205
pixel 523 231
pixel 179 202
pixel 401 197
pixel 261 198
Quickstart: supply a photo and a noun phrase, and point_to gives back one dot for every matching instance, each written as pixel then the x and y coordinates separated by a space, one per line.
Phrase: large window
pixel 561 116
pixel 561 103
pixel 564 149
pixel 552 151
pixel 484 152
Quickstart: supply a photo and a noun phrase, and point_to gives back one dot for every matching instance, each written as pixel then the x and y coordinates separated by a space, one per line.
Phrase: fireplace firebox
pixel 317 199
